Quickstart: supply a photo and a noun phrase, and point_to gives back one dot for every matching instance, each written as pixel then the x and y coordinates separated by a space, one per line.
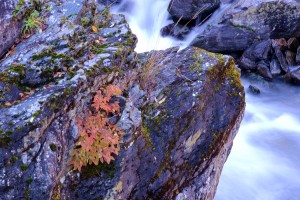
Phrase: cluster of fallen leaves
pixel 99 139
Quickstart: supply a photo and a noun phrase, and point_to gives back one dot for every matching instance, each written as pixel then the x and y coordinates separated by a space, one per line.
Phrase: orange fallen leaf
pixel 102 39
pixel 26 36
pixel 95 29
pixel 57 74
pixel 7 103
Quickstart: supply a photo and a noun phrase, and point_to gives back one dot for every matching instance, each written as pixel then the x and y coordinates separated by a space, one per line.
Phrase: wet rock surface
pixel 225 39
pixel 10 27
pixel 175 30
pixel 271 59
pixel 180 111
pixel 254 20
pixel 262 35
pixel 196 10
pixel 182 128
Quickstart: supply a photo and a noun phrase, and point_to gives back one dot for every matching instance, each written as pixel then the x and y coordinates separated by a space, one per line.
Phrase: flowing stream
pixel 264 163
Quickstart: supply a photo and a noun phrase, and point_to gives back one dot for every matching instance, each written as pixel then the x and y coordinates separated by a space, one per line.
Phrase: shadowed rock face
pixel 268 19
pixel 254 21
pixel 192 9
pixel 182 111
pixel 10 28
pixel 225 39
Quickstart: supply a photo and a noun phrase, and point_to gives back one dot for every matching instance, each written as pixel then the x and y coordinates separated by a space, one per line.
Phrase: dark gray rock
pixel 268 19
pixel 275 67
pixel 254 90
pixel 298 56
pixel 281 58
pixel 246 22
pixel 192 9
pixel 260 51
pixel 263 70
pixel 293 44
pixel 293 76
pixel 290 58
pixel 225 39
pixel 175 30
pixel 280 43
pixel 177 95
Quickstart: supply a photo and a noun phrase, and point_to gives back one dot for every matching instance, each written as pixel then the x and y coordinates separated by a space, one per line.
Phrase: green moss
pixel 48 8
pixel 26 193
pixel 17 9
pixel 67 92
pixel 243 27
pixel 8 132
pixel 146 135
pixel 36 113
pixel 14 159
pixel 44 53
pixel 23 167
pixel 29 180
pixel 13 75
pixel 53 106
pixel 4 140
pixel 91 171
pixel 52 147
pixel 99 48
pixel 85 21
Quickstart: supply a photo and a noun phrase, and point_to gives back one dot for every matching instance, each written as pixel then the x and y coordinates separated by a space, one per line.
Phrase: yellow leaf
pixel 95 29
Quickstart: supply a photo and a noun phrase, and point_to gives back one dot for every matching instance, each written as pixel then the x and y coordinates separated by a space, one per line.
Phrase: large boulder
pixel 180 112
pixel 268 19
pixel 45 84
pixel 260 51
pixel 224 39
pixel 187 128
pixel 247 22
pixel 192 9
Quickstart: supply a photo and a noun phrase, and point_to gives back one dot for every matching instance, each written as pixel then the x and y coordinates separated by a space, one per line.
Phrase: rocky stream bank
pixel 179 110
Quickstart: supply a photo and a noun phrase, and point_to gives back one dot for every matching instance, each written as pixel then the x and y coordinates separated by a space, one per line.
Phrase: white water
pixel 264 163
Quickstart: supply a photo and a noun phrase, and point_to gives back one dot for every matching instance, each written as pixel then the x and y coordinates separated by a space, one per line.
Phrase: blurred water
pixel 146 18
pixel 264 163
pixel 265 158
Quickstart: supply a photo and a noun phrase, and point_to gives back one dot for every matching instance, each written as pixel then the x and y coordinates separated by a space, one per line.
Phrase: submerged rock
pixel 192 9
pixel 254 90
pixel 175 30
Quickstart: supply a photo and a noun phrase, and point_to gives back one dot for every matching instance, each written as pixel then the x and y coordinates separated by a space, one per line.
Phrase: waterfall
pixel 146 18
pixel 265 158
